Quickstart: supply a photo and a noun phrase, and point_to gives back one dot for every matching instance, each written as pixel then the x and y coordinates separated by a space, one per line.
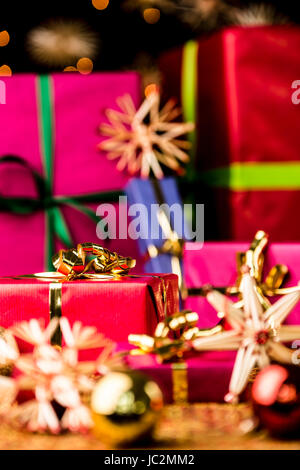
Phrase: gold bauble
pixel 6 365
pixel 125 407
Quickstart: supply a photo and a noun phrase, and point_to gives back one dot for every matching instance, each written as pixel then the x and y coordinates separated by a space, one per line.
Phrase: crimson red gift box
pixel 204 377
pixel 237 85
pixel 117 307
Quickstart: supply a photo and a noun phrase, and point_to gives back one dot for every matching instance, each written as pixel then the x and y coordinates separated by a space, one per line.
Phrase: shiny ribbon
pixel 172 337
pixel 46 200
pixel 254 259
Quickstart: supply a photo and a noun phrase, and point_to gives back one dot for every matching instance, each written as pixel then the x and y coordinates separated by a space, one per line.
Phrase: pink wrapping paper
pixel 78 166
pixel 215 264
pixel 208 374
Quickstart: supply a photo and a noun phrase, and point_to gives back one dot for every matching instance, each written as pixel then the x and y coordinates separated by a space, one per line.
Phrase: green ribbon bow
pixel 46 200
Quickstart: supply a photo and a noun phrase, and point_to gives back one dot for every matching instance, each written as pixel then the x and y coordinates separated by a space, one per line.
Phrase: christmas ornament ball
pixel 275 397
pixel 125 406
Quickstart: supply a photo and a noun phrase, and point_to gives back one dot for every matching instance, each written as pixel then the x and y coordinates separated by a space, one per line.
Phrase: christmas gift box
pixel 53 175
pixel 238 85
pixel 215 263
pixel 202 378
pixel 162 223
pixel 116 306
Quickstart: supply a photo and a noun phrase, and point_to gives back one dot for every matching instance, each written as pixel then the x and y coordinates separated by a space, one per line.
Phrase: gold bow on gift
pixel 171 337
pixel 72 263
pixel 254 259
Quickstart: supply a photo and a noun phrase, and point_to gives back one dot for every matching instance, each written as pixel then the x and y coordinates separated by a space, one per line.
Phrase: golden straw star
pixel 145 137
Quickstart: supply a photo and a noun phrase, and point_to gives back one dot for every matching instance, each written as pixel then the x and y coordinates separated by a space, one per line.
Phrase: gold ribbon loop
pixel 72 263
pixel 166 343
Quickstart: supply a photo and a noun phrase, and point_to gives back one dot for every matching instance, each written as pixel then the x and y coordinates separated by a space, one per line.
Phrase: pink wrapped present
pixel 215 263
pixel 202 378
pixel 52 173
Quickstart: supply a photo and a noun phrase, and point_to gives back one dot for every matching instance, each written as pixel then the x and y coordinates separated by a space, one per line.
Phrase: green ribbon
pixel 189 90
pixel 46 201
pixel 255 176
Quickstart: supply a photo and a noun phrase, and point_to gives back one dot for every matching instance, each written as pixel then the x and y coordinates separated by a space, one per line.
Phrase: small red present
pixel 115 306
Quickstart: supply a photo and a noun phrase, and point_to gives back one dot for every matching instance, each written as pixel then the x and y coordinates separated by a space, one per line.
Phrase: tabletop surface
pixel 189 427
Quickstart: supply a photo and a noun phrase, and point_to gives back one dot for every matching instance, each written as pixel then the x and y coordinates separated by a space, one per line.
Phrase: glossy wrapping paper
pixel 78 166
pixel 247 143
pixel 115 307
pixel 215 263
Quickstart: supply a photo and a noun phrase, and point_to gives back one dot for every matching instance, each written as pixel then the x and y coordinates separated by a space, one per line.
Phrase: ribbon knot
pixel 73 262
pixel 172 337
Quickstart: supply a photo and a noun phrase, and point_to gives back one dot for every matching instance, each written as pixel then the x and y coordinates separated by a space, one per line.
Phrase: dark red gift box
pixel 240 87
pixel 117 307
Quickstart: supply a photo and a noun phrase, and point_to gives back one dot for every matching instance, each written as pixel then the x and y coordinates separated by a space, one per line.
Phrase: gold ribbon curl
pixel 73 263
pixel 172 337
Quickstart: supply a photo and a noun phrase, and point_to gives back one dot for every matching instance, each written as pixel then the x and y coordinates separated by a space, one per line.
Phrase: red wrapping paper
pixel 115 307
pixel 245 115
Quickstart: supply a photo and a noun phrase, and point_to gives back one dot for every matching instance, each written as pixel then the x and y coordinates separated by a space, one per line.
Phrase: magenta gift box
pixel 215 263
pixel 76 108
pixel 207 374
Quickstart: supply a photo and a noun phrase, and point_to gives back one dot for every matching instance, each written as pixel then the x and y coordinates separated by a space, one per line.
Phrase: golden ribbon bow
pixel 254 259
pixel 171 337
pixel 72 263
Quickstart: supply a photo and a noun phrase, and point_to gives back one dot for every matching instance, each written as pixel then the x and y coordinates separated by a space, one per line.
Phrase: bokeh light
pixel 151 88
pixel 70 68
pixel 5 71
pixel 100 4
pixel 151 15
pixel 85 65
pixel 4 38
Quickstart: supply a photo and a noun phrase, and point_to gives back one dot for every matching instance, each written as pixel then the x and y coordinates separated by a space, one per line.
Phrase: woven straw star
pixel 256 334
pixel 144 138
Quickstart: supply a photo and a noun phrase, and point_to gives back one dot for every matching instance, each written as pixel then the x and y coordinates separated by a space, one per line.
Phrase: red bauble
pixel 275 396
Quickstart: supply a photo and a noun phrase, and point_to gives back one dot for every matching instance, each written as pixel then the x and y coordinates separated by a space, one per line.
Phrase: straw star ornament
pixel 143 139
pixel 256 334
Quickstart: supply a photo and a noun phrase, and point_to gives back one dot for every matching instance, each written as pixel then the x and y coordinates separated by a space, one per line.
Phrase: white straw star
pixel 256 334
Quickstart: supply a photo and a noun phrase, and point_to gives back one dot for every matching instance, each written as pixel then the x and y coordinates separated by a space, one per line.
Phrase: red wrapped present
pixel 115 306
pixel 237 85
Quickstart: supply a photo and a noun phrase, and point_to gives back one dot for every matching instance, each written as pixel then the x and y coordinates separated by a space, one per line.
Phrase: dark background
pixel 123 34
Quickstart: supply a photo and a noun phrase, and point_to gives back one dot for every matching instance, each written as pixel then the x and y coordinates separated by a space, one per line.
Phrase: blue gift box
pixel 146 198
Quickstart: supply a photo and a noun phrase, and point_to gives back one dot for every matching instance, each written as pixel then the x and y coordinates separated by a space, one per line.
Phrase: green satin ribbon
pixel 46 201
pixel 255 176
pixel 189 90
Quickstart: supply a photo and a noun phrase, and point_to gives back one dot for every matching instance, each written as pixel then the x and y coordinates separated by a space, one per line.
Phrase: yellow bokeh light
pixel 100 4
pixel 4 38
pixel 151 15
pixel 84 65
pixel 152 88
pixel 70 68
pixel 5 71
